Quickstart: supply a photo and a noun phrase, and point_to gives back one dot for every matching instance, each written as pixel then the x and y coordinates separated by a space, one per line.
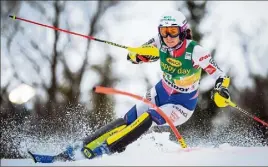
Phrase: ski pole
pixel 232 104
pixel 143 50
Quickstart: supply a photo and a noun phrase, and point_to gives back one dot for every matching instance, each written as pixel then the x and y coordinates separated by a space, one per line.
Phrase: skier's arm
pixel 203 59
pixel 138 59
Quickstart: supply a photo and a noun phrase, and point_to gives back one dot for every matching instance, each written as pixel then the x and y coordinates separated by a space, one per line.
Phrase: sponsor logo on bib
pixel 188 56
pixel 174 62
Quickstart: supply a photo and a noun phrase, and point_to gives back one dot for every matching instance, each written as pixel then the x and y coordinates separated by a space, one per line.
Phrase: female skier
pixel 181 60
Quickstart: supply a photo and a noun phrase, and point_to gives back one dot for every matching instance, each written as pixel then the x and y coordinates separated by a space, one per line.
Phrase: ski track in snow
pixel 156 149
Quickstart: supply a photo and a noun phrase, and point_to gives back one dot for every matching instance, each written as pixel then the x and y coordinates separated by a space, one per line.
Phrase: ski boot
pixel 97 152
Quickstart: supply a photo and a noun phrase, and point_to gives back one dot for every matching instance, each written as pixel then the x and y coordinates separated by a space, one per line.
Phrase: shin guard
pixel 132 132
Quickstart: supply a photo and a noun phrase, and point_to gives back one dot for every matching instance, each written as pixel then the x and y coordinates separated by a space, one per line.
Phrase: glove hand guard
pixel 137 59
pixel 220 93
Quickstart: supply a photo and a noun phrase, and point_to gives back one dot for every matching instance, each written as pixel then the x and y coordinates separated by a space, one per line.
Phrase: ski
pixel 67 155
pixel 42 158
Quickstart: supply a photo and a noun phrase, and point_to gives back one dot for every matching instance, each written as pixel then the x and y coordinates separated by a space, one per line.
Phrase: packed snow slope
pixel 156 149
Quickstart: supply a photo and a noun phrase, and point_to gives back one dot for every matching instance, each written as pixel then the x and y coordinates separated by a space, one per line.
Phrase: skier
pixel 181 61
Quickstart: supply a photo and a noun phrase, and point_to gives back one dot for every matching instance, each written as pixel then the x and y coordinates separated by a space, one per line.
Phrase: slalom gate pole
pixel 143 50
pixel 105 90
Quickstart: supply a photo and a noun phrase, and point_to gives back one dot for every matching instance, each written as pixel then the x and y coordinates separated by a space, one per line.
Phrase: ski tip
pixel 29 152
pixel 13 17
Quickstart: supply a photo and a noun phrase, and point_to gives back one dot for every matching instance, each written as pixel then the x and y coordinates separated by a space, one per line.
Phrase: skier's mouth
pixel 170 42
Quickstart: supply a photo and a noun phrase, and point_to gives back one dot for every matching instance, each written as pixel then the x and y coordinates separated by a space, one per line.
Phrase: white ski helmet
pixel 174 18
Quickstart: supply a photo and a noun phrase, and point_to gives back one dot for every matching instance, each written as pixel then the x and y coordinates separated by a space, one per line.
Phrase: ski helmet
pixel 174 18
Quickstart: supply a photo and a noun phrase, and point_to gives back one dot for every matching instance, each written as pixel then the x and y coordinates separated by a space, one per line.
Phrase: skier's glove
pixel 220 93
pixel 137 59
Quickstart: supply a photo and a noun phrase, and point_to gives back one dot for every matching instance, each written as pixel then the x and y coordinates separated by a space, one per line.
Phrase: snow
pixel 156 149
pixel 225 22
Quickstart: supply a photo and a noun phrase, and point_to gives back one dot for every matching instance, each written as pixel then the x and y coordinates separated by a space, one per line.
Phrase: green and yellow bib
pixel 178 72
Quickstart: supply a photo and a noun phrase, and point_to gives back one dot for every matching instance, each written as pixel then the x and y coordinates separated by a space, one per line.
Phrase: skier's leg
pixel 176 112
pixel 96 139
pixel 138 120
pixel 142 107
pixel 132 132
pixel 179 107
pixel 118 141
pixel 106 130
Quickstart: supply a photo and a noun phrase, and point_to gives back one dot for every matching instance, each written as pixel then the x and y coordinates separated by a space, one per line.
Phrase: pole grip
pixel 231 103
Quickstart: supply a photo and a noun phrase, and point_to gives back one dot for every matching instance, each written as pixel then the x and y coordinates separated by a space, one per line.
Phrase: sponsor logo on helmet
pixel 174 62
pixel 168 18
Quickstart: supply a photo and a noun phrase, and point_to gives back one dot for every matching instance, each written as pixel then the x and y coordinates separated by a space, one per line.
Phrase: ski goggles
pixel 172 31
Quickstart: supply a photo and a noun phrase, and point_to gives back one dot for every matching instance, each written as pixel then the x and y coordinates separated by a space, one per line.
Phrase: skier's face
pixel 170 35
pixel 171 42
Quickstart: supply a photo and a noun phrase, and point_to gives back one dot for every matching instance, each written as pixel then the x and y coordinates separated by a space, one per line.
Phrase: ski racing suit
pixel 177 91
pixel 175 94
